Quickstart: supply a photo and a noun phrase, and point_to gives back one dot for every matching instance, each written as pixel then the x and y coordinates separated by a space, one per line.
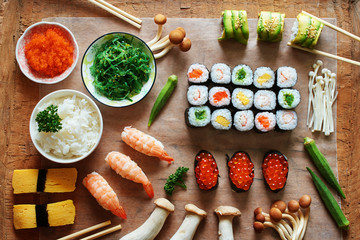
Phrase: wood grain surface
pixel 19 95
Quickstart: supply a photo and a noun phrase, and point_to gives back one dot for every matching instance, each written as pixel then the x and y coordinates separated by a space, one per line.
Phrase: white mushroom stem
pixel 226 215
pixel 307 215
pixel 152 226
pixel 164 51
pixel 283 225
pixel 281 233
pixel 191 222
pixel 301 224
pixel 157 37
pixel 160 44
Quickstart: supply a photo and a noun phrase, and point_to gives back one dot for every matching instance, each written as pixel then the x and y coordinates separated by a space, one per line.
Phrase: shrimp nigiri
pixel 104 194
pixel 128 169
pixel 145 143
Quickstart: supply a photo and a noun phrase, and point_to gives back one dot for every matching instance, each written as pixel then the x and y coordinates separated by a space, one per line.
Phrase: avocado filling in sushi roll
pixel 198 73
pixel 220 73
pixel 241 171
pixel 221 119
pixel 275 169
pixel 264 77
pixel 306 31
pixel 270 26
pixel 242 75
pixel 244 120
pixel 265 121
pixel 206 170
pixel 289 98
pixel 198 116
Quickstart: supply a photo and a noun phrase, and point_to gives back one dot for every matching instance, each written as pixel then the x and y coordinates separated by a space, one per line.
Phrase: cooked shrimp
pixel 103 193
pixel 145 143
pixel 128 169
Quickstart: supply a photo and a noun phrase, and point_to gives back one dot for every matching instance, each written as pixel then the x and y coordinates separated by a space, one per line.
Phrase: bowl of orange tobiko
pixel 47 52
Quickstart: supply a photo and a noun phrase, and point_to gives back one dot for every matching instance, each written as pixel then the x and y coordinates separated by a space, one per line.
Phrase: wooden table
pixel 19 95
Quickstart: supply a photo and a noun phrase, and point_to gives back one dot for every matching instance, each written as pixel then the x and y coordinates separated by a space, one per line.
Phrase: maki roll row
pixel 243 121
pixel 242 75
pixel 275 170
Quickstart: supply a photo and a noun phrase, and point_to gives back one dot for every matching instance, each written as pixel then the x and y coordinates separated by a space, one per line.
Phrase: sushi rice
pixel 242 75
pixel 265 121
pixel 242 98
pixel 244 120
pixel 221 119
pixel 289 98
pixel 198 116
pixel 265 100
pixel 219 96
pixel 286 77
pixel 198 73
pixel 220 73
pixel 197 95
pixel 264 77
pixel 286 119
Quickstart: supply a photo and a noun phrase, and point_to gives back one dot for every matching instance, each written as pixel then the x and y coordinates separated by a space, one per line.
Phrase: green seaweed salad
pixel 120 70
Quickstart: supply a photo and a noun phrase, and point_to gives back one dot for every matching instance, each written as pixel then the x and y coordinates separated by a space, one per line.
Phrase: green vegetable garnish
pixel 175 179
pixel 48 120
pixel 289 98
pixel 241 74
pixel 322 165
pixel 330 201
pixel 163 97
pixel 120 69
pixel 200 115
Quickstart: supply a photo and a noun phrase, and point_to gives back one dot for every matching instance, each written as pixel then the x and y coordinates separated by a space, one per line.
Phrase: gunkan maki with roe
pixel 241 171
pixel 275 169
pixel 206 170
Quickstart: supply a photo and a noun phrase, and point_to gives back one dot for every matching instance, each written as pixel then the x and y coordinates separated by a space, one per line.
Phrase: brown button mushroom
pixel 160 20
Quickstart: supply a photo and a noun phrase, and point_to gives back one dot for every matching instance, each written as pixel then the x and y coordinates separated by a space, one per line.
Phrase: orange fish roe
pixel 241 171
pixel 218 96
pixel 50 53
pixel 206 171
pixel 264 121
pixel 196 73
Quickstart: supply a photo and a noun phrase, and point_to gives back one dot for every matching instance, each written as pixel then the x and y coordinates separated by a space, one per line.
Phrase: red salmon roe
pixel 50 53
pixel 241 171
pixel 206 171
pixel 275 168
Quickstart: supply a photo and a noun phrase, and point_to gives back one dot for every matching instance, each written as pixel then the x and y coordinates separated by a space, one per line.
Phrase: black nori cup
pixel 233 186
pixel 196 163
pixel 266 183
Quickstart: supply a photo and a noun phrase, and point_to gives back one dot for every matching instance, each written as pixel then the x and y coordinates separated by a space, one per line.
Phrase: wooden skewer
pixel 118 14
pixel 102 233
pixel 86 230
pixel 334 27
pixel 324 54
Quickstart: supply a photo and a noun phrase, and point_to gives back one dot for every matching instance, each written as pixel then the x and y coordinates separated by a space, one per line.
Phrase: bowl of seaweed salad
pixel 118 69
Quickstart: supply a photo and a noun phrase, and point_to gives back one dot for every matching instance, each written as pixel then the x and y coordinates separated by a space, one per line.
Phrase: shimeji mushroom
pixel 160 20
pixel 152 226
pixel 305 202
pixel 192 220
pixel 226 215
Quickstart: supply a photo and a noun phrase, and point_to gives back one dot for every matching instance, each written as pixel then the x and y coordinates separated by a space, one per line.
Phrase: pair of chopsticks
pixel 318 52
pixel 136 22
pixel 93 228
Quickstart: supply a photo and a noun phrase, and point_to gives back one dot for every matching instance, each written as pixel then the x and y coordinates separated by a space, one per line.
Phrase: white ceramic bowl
pixel 88 79
pixel 41 27
pixel 33 125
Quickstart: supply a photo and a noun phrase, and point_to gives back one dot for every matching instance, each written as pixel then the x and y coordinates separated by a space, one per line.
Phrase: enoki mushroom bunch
pixel 289 221
pixel 160 47
pixel 322 95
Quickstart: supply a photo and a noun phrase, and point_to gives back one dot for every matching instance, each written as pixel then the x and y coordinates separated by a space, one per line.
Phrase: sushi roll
pixel 235 25
pixel 198 116
pixel 242 98
pixel 286 77
pixel 289 98
pixel 220 73
pixel 265 121
pixel 219 96
pixel 265 100
pixel 242 75
pixel 270 26
pixel 221 119
pixel 244 120
pixel 198 73
pixel 197 95
pixel 306 31
pixel 240 171
pixel 206 170
pixel 275 169
pixel 286 119
pixel 264 77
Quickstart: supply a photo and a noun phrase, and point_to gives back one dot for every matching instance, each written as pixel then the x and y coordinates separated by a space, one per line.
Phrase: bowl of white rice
pixel 81 127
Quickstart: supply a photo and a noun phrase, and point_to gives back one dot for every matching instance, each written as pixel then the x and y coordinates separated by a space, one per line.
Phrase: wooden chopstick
pixel 86 230
pixel 135 19
pixel 115 11
pixel 334 27
pixel 324 54
pixel 102 233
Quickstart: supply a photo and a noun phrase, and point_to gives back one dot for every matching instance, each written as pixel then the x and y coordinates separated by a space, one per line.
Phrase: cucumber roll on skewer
pixel 270 26
pixel 235 25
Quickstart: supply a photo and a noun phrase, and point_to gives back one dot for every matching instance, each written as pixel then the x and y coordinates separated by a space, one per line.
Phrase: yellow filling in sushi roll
pixel 243 98
pixel 222 121
pixel 263 78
